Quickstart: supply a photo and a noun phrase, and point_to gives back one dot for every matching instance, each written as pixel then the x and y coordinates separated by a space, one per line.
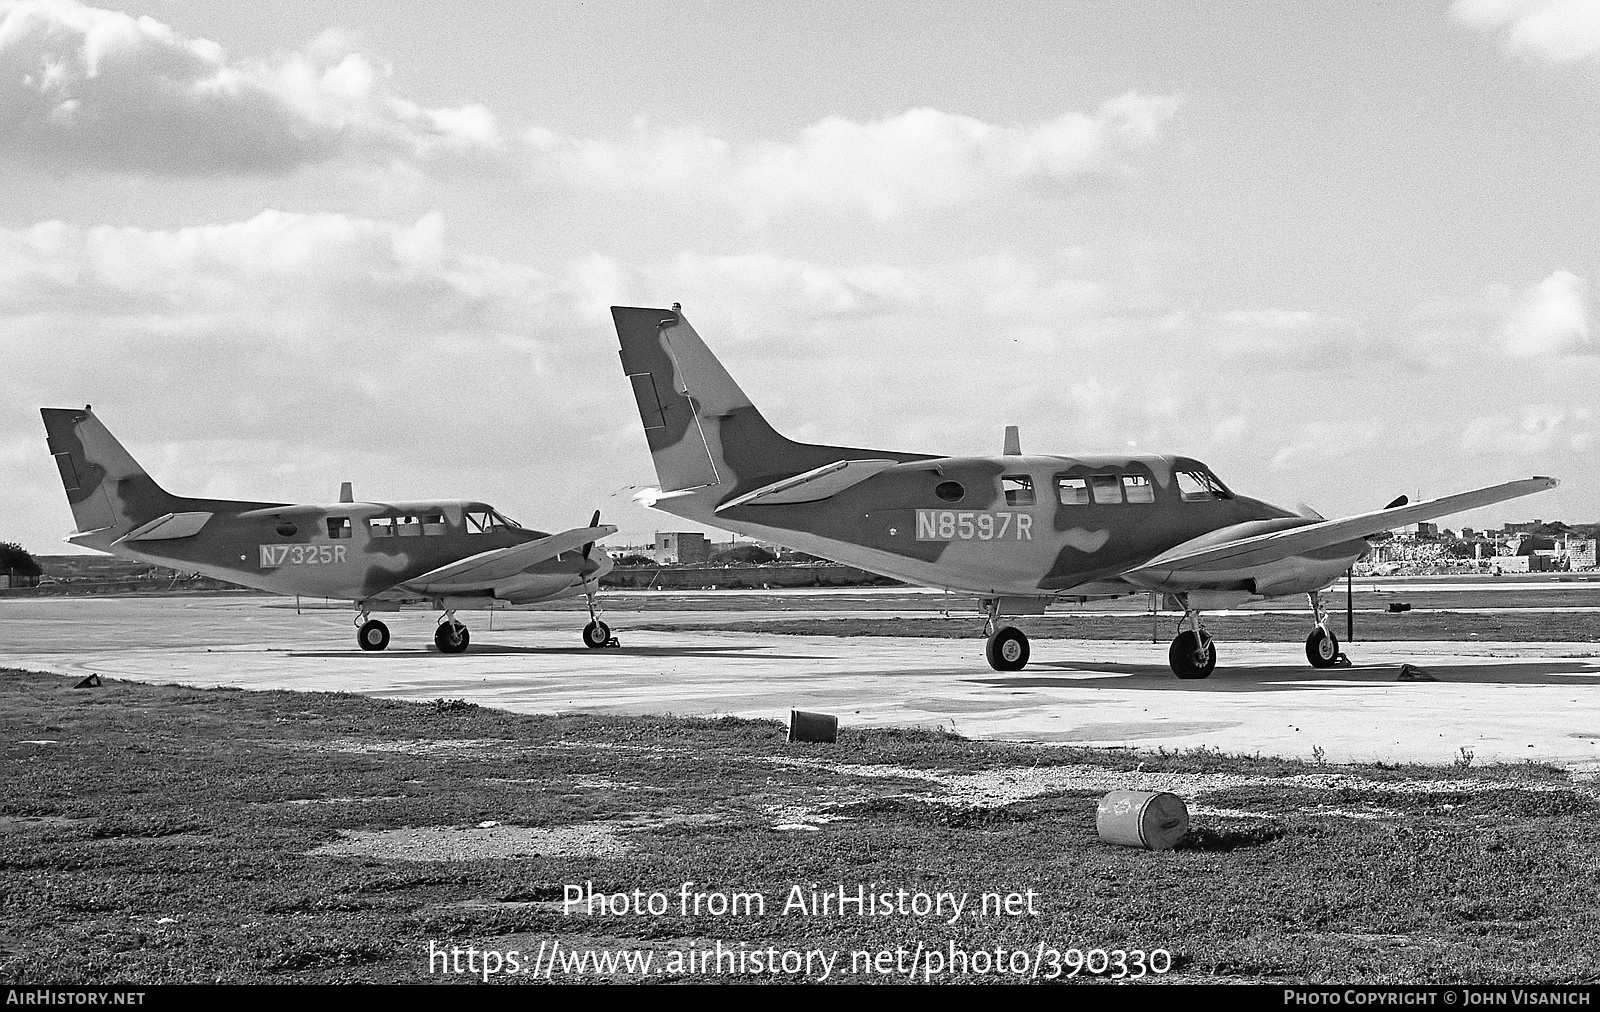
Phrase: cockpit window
pixel 488 521
pixel 1195 486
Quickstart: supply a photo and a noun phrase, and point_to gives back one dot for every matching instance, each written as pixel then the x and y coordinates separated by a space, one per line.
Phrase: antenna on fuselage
pixel 346 493
pixel 1013 441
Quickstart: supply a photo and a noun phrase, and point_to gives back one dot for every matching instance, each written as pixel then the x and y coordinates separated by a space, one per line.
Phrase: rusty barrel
pixel 1154 820
pixel 805 726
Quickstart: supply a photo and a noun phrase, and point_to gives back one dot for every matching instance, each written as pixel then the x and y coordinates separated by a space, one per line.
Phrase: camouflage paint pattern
pixel 711 446
pixel 289 549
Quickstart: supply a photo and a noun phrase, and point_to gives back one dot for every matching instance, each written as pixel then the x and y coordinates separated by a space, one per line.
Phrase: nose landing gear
pixel 1322 647
pixel 1193 653
pixel 597 634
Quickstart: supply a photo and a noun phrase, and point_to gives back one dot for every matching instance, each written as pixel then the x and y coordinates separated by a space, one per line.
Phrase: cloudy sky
pixel 1339 251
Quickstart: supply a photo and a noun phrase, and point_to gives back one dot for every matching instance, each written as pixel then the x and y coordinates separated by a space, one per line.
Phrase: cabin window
pixel 407 527
pixel 338 527
pixel 432 524
pixel 1138 488
pixel 381 527
pixel 1018 489
pixel 1200 485
pixel 950 491
pixel 1107 490
pixel 1072 491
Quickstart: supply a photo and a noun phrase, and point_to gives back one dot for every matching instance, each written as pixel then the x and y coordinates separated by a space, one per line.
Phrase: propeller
pixel 589 546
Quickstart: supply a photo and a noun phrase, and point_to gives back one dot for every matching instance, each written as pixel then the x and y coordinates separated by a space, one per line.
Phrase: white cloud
pixel 82 87
pixel 1292 339
pixel 1542 430
pixel 1551 318
pixel 919 158
pixel 1561 31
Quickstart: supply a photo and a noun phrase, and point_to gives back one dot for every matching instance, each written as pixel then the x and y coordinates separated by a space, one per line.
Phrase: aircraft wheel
pixel 1187 660
pixel 1007 650
pixel 1322 648
pixel 596 635
pixel 451 637
pixel 373 635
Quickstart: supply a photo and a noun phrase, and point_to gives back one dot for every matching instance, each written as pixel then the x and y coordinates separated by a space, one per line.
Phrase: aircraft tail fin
pixel 703 431
pixel 108 491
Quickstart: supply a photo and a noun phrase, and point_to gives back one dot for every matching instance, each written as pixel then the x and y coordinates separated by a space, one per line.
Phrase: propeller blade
pixel 593 522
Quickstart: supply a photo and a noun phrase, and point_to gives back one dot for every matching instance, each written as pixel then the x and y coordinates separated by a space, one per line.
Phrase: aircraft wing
pixel 1266 548
pixel 482 571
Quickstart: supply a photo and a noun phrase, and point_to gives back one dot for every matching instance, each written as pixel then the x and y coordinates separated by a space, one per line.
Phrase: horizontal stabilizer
pixel 169 527
pixel 1266 548
pixel 484 570
pixel 816 484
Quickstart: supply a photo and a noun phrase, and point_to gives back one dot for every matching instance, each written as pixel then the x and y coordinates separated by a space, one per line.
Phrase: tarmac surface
pixel 1493 702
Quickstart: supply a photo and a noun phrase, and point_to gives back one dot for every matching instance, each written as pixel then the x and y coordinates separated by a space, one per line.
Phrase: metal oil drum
pixel 803 726
pixel 1154 820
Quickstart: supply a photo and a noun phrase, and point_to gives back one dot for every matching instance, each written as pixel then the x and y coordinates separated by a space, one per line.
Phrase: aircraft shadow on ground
pixel 1294 678
pixel 733 652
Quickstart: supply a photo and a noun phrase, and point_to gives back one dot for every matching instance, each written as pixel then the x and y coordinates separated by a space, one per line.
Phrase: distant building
pixel 1468 534
pixel 1426 530
pixel 682 547
pixel 1581 553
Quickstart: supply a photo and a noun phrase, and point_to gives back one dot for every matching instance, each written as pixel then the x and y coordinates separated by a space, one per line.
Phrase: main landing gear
pixel 451 637
pixel 371 634
pixel 1006 648
pixel 1194 652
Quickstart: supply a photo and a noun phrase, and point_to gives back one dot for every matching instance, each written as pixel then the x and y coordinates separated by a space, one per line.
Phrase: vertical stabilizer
pixel 108 491
pixel 704 433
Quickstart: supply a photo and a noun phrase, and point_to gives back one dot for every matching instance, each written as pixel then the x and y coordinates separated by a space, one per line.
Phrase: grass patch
pixel 166 835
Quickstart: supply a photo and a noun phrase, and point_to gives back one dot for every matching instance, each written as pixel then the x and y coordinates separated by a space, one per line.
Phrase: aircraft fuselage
pixel 347 551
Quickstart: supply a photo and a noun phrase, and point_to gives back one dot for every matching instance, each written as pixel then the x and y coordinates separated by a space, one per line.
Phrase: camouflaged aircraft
pixel 449 555
pixel 1018 532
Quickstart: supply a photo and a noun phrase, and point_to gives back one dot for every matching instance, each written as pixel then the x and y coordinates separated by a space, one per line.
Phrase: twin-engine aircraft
pixel 449 555
pixel 1018 532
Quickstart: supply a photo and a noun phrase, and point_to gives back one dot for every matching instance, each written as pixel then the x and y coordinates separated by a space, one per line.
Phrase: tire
pixel 1007 650
pixel 373 635
pixel 596 635
pixel 1184 660
pixel 1322 648
pixel 451 637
